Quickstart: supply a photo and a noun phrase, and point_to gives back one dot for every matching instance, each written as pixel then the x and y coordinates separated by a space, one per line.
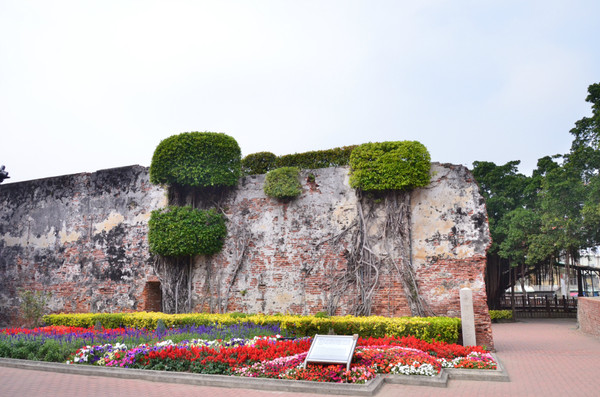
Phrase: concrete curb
pixel 369 389
pixel 498 375
pixel 440 380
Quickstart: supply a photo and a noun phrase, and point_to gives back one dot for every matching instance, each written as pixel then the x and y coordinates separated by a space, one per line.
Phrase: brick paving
pixel 543 357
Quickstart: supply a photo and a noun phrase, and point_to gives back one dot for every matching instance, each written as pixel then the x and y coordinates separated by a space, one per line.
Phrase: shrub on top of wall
pixel 259 163
pixel 200 159
pixel 283 183
pixel 184 231
pixel 399 165
pixel 337 157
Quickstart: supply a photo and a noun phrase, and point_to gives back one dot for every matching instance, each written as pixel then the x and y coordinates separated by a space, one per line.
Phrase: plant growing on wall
pixel 263 162
pixel 387 171
pixel 336 157
pixel 259 163
pixel 33 306
pixel 186 231
pixel 197 167
pixel 199 159
pixel 283 183
pixel 381 166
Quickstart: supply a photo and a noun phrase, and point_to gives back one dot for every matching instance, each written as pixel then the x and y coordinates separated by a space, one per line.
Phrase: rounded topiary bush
pixel 396 165
pixel 186 231
pixel 200 159
pixel 283 183
pixel 259 163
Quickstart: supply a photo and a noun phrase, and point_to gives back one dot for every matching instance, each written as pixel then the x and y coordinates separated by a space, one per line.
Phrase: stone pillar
pixel 467 317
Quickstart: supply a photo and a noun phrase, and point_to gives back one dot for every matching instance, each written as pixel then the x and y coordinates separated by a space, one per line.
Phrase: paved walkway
pixel 543 357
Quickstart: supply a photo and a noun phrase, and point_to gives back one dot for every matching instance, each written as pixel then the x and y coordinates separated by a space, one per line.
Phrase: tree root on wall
pixel 242 239
pixel 376 250
pixel 175 276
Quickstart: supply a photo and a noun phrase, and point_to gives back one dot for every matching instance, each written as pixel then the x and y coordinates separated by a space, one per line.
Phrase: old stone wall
pixel 289 256
pixel 83 238
pixel 80 237
pixel 450 238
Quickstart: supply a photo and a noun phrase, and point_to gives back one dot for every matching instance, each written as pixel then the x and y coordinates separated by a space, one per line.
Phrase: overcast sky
pixel 88 85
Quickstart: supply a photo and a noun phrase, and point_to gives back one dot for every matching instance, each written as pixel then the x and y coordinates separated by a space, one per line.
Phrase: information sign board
pixel 334 349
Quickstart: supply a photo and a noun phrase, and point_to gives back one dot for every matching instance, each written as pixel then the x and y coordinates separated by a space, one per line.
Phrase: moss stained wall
pixel 81 237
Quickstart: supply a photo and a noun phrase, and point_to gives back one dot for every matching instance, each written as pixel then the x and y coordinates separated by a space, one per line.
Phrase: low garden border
pixel 368 389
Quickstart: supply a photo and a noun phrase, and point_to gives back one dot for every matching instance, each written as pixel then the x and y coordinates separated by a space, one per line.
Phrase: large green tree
pixel 554 213
pixel 584 157
pixel 505 190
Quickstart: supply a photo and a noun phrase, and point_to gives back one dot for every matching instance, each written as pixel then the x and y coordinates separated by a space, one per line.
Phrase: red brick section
pixel 447 277
pixel 152 297
pixel 588 315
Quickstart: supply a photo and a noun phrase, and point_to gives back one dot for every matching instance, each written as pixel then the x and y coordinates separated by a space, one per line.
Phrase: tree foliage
pixel 336 157
pixel 399 165
pixel 263 162
pixel 259 163
pixel 554 213
pixel 504 190
pixel 199 159
pixel 185 231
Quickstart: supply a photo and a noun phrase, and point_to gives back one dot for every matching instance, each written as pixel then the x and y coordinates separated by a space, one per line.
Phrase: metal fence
pixel 541 306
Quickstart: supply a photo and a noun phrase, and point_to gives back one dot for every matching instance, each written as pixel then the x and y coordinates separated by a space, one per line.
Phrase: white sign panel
pixel 334 349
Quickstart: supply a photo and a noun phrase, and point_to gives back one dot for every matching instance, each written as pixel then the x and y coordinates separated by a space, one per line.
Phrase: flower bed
pixel 57 343
pixel 245 355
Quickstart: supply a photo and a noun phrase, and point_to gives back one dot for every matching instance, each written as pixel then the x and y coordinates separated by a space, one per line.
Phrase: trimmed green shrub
pixel 382 166
pixel 496 315
pixel 86 320
pixel 283 183
pixel 259 163
pixel 443 329
pixel 337 157
pixel 200 159
pixel 184 231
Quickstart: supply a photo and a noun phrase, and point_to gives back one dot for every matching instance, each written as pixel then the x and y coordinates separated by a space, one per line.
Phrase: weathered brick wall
pixel 588 315
pixel 80 237
pixel 450 239
pixel 83 237
pixel 296 250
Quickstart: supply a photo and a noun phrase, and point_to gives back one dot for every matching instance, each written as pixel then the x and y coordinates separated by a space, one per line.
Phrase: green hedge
pixel 444 329
pixel 382 166
pixel 496 315
pixel 263 162
pixel 336 157
pixel 259 163
pixel 87 320
pixel 184 231
pixel 200 159
pixel 283 183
